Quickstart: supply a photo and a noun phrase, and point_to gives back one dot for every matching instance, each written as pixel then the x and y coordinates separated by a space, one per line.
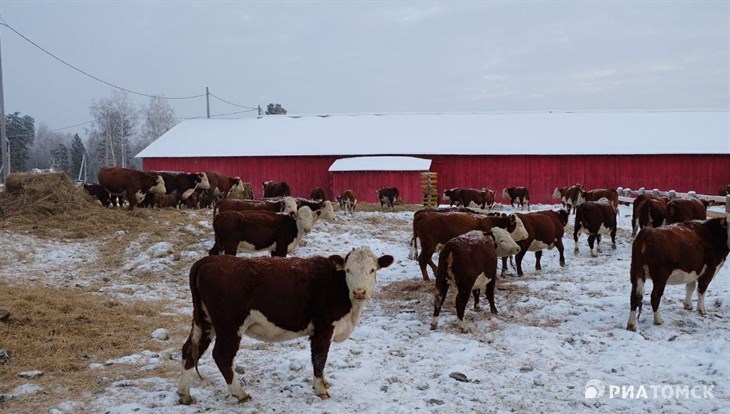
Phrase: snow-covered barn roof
pixel 543 133
pixel 380 164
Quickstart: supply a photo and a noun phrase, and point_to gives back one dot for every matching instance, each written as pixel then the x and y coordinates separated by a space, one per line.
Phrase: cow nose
pixel 517 249
pixel 359 293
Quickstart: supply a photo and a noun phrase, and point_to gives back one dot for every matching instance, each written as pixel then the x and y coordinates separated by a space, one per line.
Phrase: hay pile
pixel 49 204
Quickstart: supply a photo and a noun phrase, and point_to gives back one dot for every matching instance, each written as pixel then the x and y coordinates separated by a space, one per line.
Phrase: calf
pixel 683 210
pixel 276 189
pixel 318 194
pixel 286 205
pixel 594 195
pixel 133 184
pixel 452 194
pixel 469 261
pixel 595 218
pixel 470 197
pixel 520 194
pixel 260 230
pixel 275 299
pixel 388 196
pixel 648 211
pixel 164 200
pixel 545 231
pixel 183 185
pixel 328 213
pixel 95 190
pixel 570 196
pixel 690 253
pixel 347 201
pixel 435 229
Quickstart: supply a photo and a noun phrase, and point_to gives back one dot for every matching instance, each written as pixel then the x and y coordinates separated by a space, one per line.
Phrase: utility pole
pixel 259 111
pixel 207 101
pixel 5 144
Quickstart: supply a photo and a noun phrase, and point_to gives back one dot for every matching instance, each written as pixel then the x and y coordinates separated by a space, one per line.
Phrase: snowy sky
pixel 364 57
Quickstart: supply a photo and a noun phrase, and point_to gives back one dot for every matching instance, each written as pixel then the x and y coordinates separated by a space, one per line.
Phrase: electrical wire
pixel 231 103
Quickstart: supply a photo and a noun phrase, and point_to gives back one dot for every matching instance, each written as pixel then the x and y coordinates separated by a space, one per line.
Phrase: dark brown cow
pixel 435 229
pixel 683 210
pixel 347 201
pixel 182 185
pixel 724 191
pixel 452 194
pixel 469 261
pixel 285 205
pixel 388 196
pixel 471 197
pixel 222 186
pixel 648 211
pixel 595 218
pixel 260 230
pixel 276 189
pixel 570 196
pixel 275 299
pixel 594 195
pixel 165 200
pixel 545 231
pixel 519 194
pixel 95 190
pixel 691 253
pixel 133 184
pixel 318 194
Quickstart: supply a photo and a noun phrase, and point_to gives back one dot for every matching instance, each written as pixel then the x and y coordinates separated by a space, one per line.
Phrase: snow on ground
pixel 557 329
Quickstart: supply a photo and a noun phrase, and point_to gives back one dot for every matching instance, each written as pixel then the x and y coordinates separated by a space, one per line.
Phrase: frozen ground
pixel 557 329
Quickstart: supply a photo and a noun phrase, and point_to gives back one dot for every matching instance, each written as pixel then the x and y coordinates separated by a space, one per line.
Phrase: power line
pixel 231 103
pixel 4 23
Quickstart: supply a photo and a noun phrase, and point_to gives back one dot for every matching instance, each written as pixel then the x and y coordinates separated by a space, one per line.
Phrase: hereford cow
pixel 95 190
pixel 318 194
pixel 286 205
pixel 691 253
pixel 594 195
pixel 724 191
pixel 222 186
pixel 469 261
pixel 595 218
pixel 570 196
pixel 133 184
pixel 260 230
pixel 388 196
pixel 275 299
pixel 648 211
pixel 683 210
pixel 276 189
pixel 470 197
pixel 452 194
pixel 182 185
pixel 545 231
pixel 520 194
pixel 347 201
pixel 433 230
pixel 328 212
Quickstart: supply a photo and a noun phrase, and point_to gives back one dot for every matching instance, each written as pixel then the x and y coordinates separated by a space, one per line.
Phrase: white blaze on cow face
pixel 328 213
pixel 305 218
pixel 290 207
pixel 204 184
pixel 520 232
pixel 139 195
pixel 360 268
pixel 237 187
pixel 557 193
pixel 503 243
pixel 158 188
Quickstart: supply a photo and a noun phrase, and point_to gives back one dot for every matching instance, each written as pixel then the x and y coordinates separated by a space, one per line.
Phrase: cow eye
pixel 372 270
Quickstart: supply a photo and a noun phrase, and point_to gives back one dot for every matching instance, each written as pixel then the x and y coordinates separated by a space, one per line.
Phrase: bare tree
pixel 159 118
pixel 40 154
pixel 113 127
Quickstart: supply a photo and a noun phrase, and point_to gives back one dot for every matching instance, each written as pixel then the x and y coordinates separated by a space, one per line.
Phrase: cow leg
pixel 476 293
pixel 423 259
pixel 637 294
pixel 224 351
pixel 462 297
pixel 439 296
pixel 561 249
pixel 320 344
pixel 598 242
pixel 192 350
pixel 538 256
pixel 230 247
pixel 613 237
pixel 490 295
pixel 690 289
pixel 592 242
pixel 656 297
pixel 504 267
pixel 519 256
pixel 132 199
pixel 702 284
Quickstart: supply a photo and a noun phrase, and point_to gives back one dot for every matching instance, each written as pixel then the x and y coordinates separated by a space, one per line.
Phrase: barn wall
pixel 364 183
pixel 705 174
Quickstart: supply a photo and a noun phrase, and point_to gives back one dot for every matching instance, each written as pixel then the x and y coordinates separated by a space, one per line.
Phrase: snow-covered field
pixel 557 329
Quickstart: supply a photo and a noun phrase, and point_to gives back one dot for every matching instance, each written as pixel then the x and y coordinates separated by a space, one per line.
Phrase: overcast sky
pixel 368 57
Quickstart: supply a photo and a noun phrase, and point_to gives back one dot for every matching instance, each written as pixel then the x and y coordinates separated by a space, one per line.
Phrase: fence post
pixel 727 204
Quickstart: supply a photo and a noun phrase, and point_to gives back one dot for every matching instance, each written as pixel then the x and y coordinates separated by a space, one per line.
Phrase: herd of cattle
pixel 278 298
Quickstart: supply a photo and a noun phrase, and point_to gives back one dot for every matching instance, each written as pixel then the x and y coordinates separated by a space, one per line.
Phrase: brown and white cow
pixel 683 210
pixel 519 194
pixel 595 218
pixel 570 196
pixel 325 206
pixel 97 191
pixel 275 299
pixel 434 229
pixel 690 253
pixel 182 184
pixel 276 189
pixel 286 205
pixel 318 194
pixel 347 201
pixel 545 231
pixel 471 197
pixel 611 194
pixel 222 186
pixel 388 196
pixel 133 184
pixel 257 230
pixel 469 262
pixel 648 211
pixel 452 194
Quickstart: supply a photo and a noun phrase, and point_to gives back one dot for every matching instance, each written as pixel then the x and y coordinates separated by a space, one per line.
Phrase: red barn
pixel 364 175
pixel 682 150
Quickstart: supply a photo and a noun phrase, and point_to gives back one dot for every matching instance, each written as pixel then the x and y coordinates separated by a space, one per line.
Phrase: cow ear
pixel 385 261
pixel 338 261
pixel 318 213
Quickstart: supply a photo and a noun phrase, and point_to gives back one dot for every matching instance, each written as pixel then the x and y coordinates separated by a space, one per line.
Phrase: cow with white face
pixel 233 297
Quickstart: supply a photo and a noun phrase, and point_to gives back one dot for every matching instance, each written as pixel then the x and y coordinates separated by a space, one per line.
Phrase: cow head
pixel 159 186
pixel 504 245
pixel 505 193
pixel 289 206
pixel 558 192
pixel 202 182
pixel 360 266
pixel 520 232
pixel 328 213
pixel 306 218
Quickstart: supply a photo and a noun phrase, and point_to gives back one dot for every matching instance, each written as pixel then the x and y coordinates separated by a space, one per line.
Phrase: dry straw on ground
pixel 49 204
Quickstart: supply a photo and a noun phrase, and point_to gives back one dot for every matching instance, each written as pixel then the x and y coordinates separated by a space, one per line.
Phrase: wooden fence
pixel 627 196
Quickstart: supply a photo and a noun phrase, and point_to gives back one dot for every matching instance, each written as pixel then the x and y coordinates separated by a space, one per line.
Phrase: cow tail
pixel 198 316
pixel 442 270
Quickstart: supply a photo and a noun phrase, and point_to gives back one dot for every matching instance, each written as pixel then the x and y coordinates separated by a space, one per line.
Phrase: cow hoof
pixel 702 311
pixel 562 263
pixel 594 254
pixel 434 326
pixel 244 399
pixel 613 246
pixel 326 383
pixel 477 308
pixel 324 396
pixel 631 328
pixel 186 399
pixel 688 306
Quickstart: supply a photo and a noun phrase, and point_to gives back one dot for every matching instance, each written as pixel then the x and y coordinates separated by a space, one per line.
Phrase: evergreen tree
pixel 59 158
pixel 275 109
pixel 21 133
pixel 76 157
